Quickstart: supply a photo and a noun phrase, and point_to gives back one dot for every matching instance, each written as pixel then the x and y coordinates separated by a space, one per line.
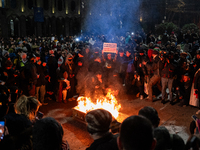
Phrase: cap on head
pixel 98 120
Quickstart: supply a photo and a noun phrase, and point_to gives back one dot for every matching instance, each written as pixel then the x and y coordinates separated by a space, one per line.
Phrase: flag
pixel 38 14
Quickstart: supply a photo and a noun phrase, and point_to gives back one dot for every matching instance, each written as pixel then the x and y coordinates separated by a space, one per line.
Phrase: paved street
pixel 177 119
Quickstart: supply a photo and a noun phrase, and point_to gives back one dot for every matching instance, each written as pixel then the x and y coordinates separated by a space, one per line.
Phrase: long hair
pixel 26 105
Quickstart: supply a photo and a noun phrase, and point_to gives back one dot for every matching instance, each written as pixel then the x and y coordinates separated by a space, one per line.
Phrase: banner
pixel 109 47
pixel 38 14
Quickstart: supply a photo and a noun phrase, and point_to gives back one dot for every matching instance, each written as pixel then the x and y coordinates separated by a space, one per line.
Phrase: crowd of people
pixel 34 70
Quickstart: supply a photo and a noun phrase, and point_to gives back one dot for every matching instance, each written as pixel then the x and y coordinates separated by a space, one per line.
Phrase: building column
pixel 39 29
pixel 67 26
pixel 22 26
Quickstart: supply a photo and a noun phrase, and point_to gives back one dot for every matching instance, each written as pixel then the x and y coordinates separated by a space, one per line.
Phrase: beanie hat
pixel 156 49
pixel 98 120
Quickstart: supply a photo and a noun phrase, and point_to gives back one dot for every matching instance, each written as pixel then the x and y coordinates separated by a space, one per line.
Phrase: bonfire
pixel 108 102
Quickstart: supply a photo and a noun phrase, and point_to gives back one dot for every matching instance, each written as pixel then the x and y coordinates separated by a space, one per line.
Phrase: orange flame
pixel 108 103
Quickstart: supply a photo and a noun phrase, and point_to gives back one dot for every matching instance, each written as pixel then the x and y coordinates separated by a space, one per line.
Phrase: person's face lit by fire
pixel 80 64
pixel 65 75
pixel 128 53
pixel 37 58
pixel 194 65
pixel 186 78
pixel 39 62
pixel 198 56
pixel 8 67
pixel 44 64
pixel 135 57
pixel 141 54
pixel 121 54
pixel 109 56
pixel 24 57
pixel 87 50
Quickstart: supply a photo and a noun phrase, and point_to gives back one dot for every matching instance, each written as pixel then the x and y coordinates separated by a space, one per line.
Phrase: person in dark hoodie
pixel 29 77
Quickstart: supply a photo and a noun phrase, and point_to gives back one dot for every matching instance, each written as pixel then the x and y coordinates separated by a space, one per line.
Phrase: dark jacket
pixel 167 70
pixel 141 70
pixel 10 79
pixel 120 66
pixel 108 142
pixel 52 66
pixel 29 74
pixel 69 68
pixel 41 71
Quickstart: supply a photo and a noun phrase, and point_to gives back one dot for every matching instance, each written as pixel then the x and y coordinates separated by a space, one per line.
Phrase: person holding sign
pixel 109 62
pixel 108 65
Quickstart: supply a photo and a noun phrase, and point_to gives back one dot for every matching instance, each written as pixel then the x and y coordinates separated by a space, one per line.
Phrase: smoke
pixel 87 80
pixel 112 17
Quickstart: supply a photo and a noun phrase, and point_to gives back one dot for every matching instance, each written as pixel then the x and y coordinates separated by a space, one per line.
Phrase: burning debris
pixel 108 103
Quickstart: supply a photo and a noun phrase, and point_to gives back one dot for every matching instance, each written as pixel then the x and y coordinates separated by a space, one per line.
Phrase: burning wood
pixel 108 103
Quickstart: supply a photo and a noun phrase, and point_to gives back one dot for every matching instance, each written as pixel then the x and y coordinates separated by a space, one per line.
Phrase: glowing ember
pixel 108 103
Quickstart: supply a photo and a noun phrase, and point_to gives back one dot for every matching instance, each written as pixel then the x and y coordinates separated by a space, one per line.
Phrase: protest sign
pixel 109 47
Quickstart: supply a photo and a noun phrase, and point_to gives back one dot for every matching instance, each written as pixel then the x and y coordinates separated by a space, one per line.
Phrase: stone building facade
pixel 61 17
